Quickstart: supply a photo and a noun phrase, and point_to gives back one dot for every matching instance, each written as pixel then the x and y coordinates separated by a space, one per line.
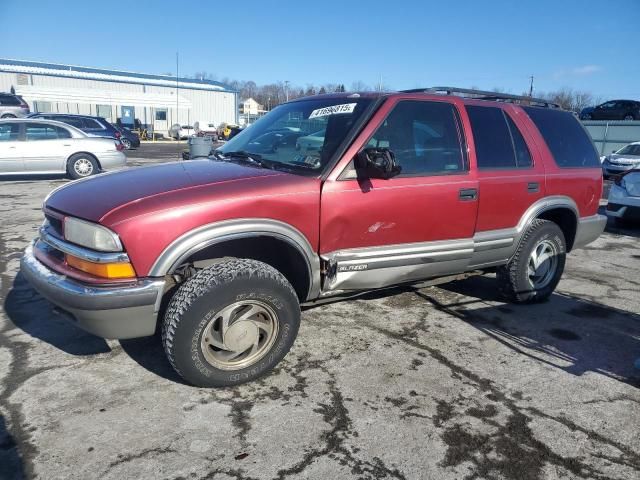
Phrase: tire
pixel 126 142
pixel 8 115
pixel 587 116
pixel 193 326
pixel 82 165
pixel 629 117
pixel 515 280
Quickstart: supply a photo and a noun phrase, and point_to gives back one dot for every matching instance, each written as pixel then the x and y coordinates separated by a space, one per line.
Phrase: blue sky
pixel 586 45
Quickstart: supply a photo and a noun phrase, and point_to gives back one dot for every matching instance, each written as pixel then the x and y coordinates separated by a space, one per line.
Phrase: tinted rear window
pixel 9 100
pixel 568 141
pixel 499 143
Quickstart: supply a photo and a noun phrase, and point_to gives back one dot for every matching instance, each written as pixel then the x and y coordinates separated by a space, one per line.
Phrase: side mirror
pixel 377 163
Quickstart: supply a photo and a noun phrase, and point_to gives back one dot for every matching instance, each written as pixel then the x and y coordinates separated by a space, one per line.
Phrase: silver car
pixel 12 106
pixel 625 159
pixel 30 146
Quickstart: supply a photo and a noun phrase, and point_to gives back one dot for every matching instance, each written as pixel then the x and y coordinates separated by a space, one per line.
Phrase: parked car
pixel 232 245
pixel 128 138
pixel 621 161
pixel 206 128
pixel 33 146
pixel 180 132
pixel 92 126
pixel 624 198
pixel 13 106
pixel 613 110
pixel 311 143
pixel 230 130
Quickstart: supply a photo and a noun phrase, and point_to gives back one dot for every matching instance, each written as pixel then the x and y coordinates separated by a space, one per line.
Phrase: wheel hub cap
pixel 83 167
pixel 543 263
pixel 239 335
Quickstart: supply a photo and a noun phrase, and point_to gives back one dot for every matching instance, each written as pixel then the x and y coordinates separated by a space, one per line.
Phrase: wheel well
pixel 280 254
pixel 566 219
pixel 85 153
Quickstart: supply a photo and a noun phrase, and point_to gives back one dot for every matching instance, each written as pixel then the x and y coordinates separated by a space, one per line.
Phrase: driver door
pixel 378 232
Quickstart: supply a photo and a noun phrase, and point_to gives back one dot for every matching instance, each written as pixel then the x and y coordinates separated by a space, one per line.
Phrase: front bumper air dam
pixel 128 311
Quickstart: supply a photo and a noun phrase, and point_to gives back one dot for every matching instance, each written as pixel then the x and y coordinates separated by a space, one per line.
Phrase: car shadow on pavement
pixel 565 332
pixel 149 354
pixel 33 314
pixel 11 465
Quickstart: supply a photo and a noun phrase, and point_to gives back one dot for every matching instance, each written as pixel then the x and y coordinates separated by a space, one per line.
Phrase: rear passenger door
pixel 46 148
pixel 509 175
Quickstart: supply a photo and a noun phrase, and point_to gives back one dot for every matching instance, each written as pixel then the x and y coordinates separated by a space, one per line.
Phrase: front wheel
pixel 230 323
pixel 535 270
pixel 629 117
pixel 126 142
pixel 81 165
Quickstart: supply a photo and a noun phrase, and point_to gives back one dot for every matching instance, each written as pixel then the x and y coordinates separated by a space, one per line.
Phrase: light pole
pixel 286 90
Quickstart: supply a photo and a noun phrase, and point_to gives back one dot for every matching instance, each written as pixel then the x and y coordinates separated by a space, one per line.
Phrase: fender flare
pixel 213 233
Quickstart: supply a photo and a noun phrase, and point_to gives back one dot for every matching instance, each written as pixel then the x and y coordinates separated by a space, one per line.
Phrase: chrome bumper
pixel 589 229
pixel 114 311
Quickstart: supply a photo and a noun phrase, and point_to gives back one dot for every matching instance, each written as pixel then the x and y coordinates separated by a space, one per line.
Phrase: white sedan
pixel 178 132
pixel 39 147
pixel 624 198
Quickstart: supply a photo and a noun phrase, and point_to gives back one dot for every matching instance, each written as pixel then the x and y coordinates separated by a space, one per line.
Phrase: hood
pixel 93 198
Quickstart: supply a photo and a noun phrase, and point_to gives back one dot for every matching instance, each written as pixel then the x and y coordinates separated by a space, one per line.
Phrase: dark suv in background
pixel 93 126
pixel 613 110
pixel 12 106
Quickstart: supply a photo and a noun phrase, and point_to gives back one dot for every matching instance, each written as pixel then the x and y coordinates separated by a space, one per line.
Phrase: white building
pixel 250 110
pixel 157 101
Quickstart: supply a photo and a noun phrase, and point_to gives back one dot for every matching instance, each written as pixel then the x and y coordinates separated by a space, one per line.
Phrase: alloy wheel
pixel 83 167
pixel 542 265
pixel 239 335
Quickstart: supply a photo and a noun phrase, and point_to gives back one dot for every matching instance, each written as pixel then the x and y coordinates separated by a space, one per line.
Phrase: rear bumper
pixel 111 160
pixel 116 311
pixel 622 205
pixel 589 229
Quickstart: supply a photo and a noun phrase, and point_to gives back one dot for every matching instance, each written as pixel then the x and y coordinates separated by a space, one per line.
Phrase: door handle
pixel 468 194
pixel 533 187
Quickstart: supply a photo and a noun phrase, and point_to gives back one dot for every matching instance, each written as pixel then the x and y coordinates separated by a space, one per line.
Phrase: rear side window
pixel 568 141
pixel 9 132
pixel 9 100
pixel 90 123
pixel 499 143
pixel 41 131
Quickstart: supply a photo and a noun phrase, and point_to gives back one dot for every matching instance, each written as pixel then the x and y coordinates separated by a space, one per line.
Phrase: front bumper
pixel 612 169
pixel 114 311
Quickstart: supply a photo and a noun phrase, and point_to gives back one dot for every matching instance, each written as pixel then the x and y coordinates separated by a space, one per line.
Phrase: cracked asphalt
pixel 442 382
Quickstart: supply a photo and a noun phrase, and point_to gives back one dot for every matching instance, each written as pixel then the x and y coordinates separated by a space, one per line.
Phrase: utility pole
pixel 531 86
pixel 286 89
pixel 380 83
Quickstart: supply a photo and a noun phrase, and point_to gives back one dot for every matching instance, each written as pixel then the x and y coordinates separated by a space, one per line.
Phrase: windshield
pixel 300 136
pixel 630 150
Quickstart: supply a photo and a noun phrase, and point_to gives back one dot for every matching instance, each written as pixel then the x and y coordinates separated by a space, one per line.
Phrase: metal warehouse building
pixel 157 101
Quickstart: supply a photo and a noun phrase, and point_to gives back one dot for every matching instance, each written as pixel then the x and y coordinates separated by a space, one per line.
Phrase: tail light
pixel 119 146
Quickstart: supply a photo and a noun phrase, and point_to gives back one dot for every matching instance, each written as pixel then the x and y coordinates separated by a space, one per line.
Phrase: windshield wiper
pixel 244 156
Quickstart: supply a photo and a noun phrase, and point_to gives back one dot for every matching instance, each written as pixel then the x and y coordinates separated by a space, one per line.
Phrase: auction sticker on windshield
pixel 333 110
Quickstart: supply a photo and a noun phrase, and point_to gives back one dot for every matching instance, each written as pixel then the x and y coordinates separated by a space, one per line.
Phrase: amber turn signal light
pixel 105 270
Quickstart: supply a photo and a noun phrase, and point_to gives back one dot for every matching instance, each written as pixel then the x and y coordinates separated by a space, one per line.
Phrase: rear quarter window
pixel 566 138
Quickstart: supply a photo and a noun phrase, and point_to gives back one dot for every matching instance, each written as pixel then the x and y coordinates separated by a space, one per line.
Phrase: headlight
pixel 91 235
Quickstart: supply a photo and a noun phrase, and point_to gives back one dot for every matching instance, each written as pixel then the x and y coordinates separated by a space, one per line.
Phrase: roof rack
pixel 486 95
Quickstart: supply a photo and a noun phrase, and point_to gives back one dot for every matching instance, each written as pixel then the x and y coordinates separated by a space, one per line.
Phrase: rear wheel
pixel 629 117
pixel 230 323
pixel 126 142
pixel 535 270
pixel 81 165
pixel 8 115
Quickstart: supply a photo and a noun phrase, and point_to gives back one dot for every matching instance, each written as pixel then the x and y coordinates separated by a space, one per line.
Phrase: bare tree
pixel 569 99
pixel 360 86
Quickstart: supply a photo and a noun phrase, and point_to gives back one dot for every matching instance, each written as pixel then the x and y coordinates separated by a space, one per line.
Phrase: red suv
pixel 398 188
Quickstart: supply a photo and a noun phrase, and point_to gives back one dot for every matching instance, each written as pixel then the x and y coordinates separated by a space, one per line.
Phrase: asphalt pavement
pixel 442 382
